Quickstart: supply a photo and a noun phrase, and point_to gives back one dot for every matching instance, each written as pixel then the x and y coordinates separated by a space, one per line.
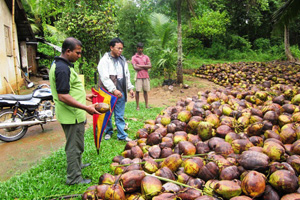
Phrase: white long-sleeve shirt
pixel 106 68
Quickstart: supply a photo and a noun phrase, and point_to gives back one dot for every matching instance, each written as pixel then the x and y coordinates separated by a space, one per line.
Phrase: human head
pixel 71 49
pixel 116 47
pixel 140 47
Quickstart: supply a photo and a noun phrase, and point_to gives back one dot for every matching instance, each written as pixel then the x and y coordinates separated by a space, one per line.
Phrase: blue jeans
pixel 119 119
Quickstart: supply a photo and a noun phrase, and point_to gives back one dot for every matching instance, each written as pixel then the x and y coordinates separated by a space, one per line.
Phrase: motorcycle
pixel 19 112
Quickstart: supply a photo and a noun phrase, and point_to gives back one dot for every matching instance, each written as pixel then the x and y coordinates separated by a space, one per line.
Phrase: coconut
pixel 253 184
pixel 183 177
pixel 195 183
pixel 193 138
pixel 224 149
pixel 165 120
pixel 165 152
pixel 214 141
pixel 213 119
pixel 170 187
pixel 255 129
pixel 288 135
pixel 154 138
pixel 254 160
pixel 115 191
pixel 223 130
pixel 179 136
pixel 102 107
pixel 284 181
pixel 131 181
pixel 172 162
pixel 165 172
pixel 293 196
pixel 204 130
pixel 256 141
pixel 142 133
pixel 100 191
pixel 296 99
pixel 186 148
pixel 209 171
pixel 193 123
pixel 189 193
pixel 150 166
pixel 229 173
pixel 135 196
pixel 274 150
pixel 271 134
pixel 184 116
pixel 296 147
pixel 241 198
pixel 165 196
pixel 202 147
pixel 150 186
pixel 270 194
pixel 106 178
pixel 227 189
pixel 240 145
pixel 192 166
pixel 154 151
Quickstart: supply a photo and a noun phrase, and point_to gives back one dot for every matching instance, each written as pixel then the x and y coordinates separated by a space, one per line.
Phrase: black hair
pixel 140 45
pixel 70 43
pixel 113 42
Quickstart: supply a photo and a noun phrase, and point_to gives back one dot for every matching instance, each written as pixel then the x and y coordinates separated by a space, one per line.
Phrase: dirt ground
pixel 17 157
pixel 165 96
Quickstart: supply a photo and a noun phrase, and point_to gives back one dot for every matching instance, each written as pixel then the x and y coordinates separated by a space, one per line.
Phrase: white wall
pixel 7 68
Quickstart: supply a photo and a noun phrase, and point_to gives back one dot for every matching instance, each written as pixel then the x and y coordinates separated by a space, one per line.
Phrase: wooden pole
pixel 14 45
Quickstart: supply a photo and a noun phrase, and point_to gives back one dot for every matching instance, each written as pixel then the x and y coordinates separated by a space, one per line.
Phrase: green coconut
pixel 284 181
pixel 296 99
pixel 205 130
pixel 228 189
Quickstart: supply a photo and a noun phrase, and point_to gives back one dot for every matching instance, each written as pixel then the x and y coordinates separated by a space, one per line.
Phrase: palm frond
pixel 287 12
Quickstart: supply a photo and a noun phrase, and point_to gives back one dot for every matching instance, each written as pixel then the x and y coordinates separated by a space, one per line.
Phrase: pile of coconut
pixel 232 143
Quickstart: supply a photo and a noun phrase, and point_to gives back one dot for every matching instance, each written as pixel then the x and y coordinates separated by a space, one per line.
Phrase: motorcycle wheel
pixel 14 133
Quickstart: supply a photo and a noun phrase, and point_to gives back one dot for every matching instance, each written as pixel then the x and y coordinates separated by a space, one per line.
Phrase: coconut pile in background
pixel 244 73
pixel 232 143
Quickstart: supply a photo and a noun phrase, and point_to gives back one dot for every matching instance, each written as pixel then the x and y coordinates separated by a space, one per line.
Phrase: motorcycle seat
pixel 15 97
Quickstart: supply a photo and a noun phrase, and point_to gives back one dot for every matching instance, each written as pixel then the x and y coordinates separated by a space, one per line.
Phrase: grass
pixel 46 180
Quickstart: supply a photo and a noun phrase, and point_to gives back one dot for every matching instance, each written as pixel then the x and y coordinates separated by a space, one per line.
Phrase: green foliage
pixel 167 63
pixel 161 46
pixel 261 44
pixel 133 26
pixel 94 25
pixel 239 43
pixel 212 23
pixel 295 51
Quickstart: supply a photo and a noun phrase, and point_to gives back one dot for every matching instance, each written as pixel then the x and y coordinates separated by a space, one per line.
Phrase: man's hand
pixel 90 97
pixel 92 110
pixel 118 93
pixel 131 93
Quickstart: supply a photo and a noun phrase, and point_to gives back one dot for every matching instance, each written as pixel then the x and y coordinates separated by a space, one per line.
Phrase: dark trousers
pixel 74 148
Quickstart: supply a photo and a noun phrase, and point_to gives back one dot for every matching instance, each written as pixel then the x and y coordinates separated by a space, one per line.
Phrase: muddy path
pixel 17 157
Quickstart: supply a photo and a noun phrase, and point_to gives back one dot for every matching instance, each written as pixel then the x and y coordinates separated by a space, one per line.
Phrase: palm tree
pixel 189 8
pixel 282 18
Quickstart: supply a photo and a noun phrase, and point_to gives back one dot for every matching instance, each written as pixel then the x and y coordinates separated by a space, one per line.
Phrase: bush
pixel 295 51
pixel 261 44
pixel 239 43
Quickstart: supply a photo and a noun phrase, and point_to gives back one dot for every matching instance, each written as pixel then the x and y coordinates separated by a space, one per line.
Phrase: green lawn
pixel 47 179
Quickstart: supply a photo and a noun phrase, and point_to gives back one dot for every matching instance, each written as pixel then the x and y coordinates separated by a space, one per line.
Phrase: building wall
pixel 7 68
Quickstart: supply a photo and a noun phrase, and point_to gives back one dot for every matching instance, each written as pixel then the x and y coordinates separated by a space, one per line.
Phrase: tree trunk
pixel 288 52
pixel 179 44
